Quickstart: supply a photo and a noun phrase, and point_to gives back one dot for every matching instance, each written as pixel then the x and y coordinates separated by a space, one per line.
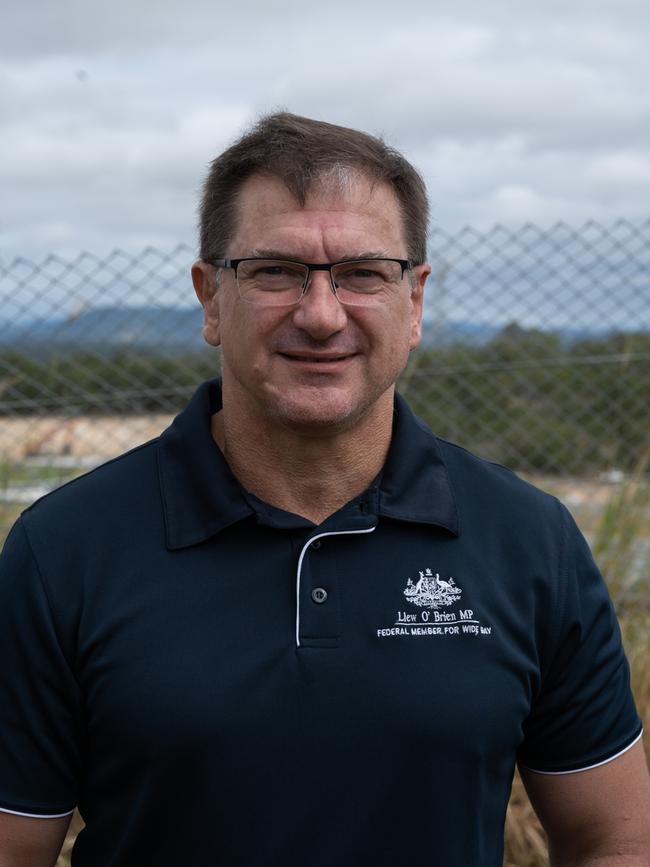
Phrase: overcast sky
pixel 514 111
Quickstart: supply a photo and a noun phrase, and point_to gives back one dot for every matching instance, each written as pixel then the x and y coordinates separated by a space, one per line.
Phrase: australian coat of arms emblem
pixel 431 592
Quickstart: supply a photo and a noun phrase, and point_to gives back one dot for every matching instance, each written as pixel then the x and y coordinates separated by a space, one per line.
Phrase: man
pixel 298 629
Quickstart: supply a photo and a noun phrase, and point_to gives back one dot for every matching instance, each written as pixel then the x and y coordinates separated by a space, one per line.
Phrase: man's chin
pixel 327 411
pixel 317 413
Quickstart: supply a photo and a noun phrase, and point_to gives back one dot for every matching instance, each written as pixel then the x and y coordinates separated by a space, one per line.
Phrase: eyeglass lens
pixel 271 282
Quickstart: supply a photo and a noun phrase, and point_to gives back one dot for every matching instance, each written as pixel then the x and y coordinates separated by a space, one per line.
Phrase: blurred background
pixel 531 127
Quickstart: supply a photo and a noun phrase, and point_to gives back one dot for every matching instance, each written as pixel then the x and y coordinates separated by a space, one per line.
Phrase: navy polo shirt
pixel 216 681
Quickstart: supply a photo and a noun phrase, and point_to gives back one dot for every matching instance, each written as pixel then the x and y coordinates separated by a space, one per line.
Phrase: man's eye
pixel 276 271
pixel 267 271
pixel 361 276
pixel 364 273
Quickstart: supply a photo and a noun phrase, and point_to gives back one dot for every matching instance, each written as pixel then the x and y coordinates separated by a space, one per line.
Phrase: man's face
pixel 317 365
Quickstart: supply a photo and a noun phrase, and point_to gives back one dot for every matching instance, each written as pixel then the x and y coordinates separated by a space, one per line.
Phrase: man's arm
pixel 598 817
pixel 27 842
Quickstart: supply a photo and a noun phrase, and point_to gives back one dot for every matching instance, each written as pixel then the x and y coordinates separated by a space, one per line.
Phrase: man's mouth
pixel 317 358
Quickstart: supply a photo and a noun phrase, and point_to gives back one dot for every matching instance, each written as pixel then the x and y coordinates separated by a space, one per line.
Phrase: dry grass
pixel 75 826
pixel 525 843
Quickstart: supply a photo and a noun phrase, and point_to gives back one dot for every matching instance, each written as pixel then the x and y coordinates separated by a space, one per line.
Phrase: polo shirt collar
pixel 201 496
pixel 414 484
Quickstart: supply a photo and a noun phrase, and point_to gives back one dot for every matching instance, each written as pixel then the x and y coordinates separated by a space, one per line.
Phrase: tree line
pixel 527 398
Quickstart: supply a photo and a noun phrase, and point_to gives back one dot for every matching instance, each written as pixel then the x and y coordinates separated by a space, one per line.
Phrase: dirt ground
pixel 86 437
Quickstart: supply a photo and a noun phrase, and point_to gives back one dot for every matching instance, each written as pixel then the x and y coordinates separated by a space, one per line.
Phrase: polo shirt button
pixel 319 595
pixel 315 544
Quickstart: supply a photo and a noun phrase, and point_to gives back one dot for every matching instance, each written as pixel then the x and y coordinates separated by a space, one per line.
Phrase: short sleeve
pixel 584 714
pixel 41 719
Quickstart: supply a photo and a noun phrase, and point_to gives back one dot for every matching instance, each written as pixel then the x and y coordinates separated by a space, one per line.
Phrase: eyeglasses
pixel 281 283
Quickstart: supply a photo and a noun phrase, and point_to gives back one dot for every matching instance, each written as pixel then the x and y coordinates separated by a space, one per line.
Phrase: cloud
pixel 110 113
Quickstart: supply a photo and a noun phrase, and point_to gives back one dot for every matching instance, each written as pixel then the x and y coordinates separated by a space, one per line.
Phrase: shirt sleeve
pixel 584 714
pixel 41 715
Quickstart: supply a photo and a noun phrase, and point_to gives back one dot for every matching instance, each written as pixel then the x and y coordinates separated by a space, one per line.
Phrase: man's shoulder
pixel 432 463
pixel 120 484
pixel 485 483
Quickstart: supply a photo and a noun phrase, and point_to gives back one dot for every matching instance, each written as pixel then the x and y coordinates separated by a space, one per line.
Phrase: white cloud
pixel 110 113
pixel 621 173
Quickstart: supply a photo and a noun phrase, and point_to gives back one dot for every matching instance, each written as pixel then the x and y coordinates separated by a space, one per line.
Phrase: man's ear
pixel 205 280
pixel 419 278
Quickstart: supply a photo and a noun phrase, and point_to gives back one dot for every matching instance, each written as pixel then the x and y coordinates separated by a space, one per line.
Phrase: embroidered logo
pixel 431 592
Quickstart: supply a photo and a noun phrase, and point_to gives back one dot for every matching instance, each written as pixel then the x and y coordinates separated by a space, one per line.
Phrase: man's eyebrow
pixel 270 253
pixel 373 254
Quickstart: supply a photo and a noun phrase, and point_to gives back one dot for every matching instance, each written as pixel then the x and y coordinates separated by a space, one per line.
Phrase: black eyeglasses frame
pixel 405 264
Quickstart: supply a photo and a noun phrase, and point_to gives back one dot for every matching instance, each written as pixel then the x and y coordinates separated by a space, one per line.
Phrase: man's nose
pixel 320 313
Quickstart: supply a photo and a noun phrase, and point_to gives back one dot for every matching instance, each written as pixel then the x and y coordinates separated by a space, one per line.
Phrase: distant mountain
pixel 479 333
pixel 177 330
pixel 107 329
pixel 470 333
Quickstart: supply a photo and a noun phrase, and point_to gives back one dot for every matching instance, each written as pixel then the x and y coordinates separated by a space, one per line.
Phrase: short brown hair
pixel 300 151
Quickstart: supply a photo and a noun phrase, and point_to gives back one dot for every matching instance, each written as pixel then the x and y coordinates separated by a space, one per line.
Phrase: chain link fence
pixel 535 353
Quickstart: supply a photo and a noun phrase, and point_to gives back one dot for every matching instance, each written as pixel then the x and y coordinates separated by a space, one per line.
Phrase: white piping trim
pixel 589 767
pixel 36 815
pixel 300 559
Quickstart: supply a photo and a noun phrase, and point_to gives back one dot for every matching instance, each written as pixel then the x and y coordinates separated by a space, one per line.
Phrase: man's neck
pixel 303 473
